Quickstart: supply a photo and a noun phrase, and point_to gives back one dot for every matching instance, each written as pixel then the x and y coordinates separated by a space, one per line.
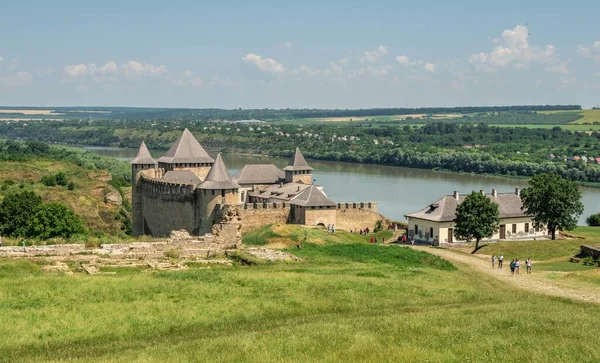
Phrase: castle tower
pixel 217 188
pixel 187 154
pixel 298 169
pixel 142 161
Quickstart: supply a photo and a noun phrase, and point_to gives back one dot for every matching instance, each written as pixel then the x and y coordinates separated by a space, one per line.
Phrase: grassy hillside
pixel 347 301
pixel 87 199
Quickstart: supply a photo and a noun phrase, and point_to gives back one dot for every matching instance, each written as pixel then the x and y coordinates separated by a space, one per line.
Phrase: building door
pixel 502 231
pixel 450 235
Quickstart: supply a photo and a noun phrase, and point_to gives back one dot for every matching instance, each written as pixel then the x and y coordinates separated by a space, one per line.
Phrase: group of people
pixel 375 240
pixel 361 231
pixel 331 228
pixel 515 264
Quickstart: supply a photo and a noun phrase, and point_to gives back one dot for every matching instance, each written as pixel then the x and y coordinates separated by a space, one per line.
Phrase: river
pixel 398 190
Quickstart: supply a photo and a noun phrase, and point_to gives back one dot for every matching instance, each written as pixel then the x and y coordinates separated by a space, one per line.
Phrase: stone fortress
pixel 186 189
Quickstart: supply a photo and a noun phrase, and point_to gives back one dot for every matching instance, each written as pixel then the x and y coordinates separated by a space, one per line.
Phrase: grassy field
pixel 347 301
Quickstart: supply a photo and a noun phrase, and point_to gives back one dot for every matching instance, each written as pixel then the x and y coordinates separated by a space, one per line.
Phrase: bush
pixel 593 220
pixel 15 212
pixel 52 220
pixel 71 186
pixel 49 180
pixel 61 179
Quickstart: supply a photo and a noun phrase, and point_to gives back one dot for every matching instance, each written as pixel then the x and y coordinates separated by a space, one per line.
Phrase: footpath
pixel 533 282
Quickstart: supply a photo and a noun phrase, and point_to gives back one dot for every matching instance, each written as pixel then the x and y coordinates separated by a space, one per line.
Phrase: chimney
pixel 494 193
pixel 482 192
pixel 518 192
pixel 456 195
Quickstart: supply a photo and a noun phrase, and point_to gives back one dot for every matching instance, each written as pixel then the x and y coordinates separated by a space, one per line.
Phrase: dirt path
pixel 534 282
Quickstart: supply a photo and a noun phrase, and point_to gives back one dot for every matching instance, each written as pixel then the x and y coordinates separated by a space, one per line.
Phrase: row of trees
pixel 25 215
pixel 550 200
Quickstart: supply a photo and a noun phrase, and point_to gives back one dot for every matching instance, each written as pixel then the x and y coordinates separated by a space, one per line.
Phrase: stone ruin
pixel 175 253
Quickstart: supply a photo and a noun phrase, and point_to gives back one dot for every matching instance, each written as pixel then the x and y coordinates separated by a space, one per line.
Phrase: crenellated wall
pixel 168 206
pixel 357 215
pixel 254 215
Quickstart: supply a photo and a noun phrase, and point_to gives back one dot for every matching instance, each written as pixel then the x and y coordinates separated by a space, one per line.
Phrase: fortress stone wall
pixel 357 215
pixel 166 207
pixel 254 215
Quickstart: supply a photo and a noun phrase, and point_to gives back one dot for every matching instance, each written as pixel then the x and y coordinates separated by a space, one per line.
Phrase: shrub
pixel 49 180
pixel 61 179
pixel 593 220
pixel 71 186
pixel 52 220
pixel 15 212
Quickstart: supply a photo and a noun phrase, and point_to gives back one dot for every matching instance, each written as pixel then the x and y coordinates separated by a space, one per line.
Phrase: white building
pixel 434 224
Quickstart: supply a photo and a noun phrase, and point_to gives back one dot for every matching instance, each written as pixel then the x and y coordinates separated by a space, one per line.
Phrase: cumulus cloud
pixel 82 70
pixel 264 64
pixel 592 52
pixel 110 70
pixel 404 60
pixel 513 49
pixel 1 59
pixel 286 44
pixel 374 56
pixel 133 69
pixel 429 67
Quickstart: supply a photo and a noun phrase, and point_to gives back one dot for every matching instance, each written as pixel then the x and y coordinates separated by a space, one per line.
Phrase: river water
pixel 398 190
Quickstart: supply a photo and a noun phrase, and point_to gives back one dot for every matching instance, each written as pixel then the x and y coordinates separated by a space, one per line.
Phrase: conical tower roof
pixel 312 197
pixel 143 156
pixel 186 150
pixel 218 177
pixel 298 162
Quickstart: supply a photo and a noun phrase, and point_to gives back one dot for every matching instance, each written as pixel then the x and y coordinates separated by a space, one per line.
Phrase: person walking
pixel 517 266
pixel 528 264
pixel 328 228
pixel 493 261
pixel 372 239
pixel 512 267
pixel 500 260
pixel 333 228
pixel 376 240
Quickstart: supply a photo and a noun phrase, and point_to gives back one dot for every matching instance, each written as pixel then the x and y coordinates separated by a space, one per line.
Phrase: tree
pixel 593 220
pixel 552 201
pixel 476 218
pixel 15 212
pixel 54 220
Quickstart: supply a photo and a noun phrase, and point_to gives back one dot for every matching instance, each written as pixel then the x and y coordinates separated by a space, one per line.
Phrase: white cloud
pixel 266 65
pixel 513 49
pixel 286 44
pixel 559 68
pixel 189 78
pixel 592 52
pixel 429 67
pixel 374 56
pixel 110 70
pixel 404 60
pixel 82 70
pixel 133 69
pixel 1 59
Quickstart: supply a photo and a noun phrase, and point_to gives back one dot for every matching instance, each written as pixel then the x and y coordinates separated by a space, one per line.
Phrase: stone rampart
pixel 585 251
pixel 254 215
pixel 357 215
pixel 168 206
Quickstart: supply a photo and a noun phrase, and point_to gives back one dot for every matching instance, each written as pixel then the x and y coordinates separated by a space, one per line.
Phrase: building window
pixel 416 229
pixel 431 232
pixel 526 227
pixel 213 192
pixel 514 228
pixel 537 227
pixel 223 193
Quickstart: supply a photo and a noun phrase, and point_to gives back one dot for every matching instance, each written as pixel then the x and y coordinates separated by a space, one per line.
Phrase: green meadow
pixel 347 301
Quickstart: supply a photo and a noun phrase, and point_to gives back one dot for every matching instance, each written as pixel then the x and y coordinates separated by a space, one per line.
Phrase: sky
pixel 301 54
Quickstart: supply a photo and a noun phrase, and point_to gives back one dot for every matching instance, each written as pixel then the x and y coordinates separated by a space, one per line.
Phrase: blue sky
pixel 322 54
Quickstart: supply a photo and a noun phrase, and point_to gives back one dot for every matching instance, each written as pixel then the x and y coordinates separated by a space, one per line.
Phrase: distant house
pixel 576 158
pixel 376 142
pixel 584 159
pixel 434 224
pixel 597 160
pixel 551 157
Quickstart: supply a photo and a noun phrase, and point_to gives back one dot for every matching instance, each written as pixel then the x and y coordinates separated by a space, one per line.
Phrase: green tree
pixel 15 212
pixel 61 179
pixel 476 218
pixel 54 220
pixel 552 201
pixel 593 220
